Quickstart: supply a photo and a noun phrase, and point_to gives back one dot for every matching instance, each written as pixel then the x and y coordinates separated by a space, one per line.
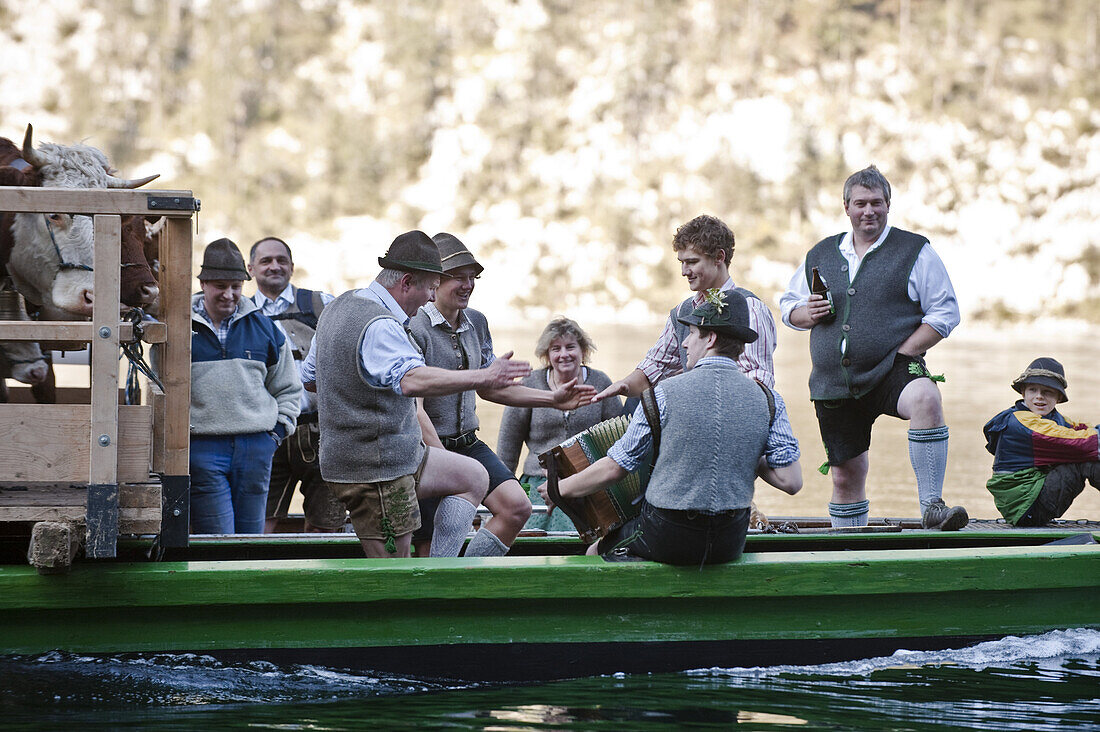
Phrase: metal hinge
pixel 173 203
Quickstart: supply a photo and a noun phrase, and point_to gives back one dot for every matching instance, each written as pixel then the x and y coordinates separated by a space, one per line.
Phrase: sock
pixel 928 456
pixel 846 515
pixel 486 544
pixel 453 520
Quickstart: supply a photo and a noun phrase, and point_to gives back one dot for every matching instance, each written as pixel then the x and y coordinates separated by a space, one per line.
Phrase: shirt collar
pixel 437 319
pixel 848 247
pixel 716 361
pixel 386 298
pixel 697 299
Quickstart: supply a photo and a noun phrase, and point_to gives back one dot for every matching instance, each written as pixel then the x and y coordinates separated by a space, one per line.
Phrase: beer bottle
pixel 819 287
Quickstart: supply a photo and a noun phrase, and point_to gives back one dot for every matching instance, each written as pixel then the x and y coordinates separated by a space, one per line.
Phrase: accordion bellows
pixel 604 510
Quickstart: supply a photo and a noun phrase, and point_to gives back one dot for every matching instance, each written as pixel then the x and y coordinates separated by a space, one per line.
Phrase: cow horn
pixel 113 182
pixel 31 155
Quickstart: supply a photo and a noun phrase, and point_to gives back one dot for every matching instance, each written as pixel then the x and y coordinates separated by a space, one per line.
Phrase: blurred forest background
pixel 566 141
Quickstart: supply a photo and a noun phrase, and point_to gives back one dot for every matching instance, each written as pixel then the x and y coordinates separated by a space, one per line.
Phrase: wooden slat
pixel 175 360
pixel 130 495
pixel 157 402
pixel 8 514
pixel 103 457
pixel 87 201
pixel 62 330
pixel 50 442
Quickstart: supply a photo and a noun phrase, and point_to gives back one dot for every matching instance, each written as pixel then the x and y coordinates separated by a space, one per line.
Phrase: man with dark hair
pixel 719 430
pixel 295 311
pixel 704 246
pixel 245 395
pixel 891 300
pixel 367 372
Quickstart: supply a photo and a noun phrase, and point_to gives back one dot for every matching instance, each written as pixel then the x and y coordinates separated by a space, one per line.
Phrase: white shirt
pixel 278 306
pixel 929 284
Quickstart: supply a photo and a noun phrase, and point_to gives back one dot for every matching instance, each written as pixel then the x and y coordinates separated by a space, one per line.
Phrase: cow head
pixel 24 361
pixel 52 254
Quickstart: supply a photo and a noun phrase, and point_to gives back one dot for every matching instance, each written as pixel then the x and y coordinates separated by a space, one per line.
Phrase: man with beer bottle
pixel 891 300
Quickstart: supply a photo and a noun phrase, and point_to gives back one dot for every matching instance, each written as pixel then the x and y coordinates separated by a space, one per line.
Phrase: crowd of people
pixel 366 402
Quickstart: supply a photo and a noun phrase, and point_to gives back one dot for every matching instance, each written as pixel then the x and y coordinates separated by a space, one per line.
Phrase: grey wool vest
pixel 300 326
pixel 874 315
pixel 713 432
pixel 454 414
pixel 682 311
pixel 370 434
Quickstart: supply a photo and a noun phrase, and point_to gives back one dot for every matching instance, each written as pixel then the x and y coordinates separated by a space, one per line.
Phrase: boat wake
pixel 1049 649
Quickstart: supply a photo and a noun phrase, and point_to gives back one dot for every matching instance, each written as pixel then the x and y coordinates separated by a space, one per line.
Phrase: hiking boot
pixel 938 516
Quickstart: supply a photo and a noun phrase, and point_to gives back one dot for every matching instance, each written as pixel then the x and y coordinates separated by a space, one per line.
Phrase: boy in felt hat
pixel 719 430
pixel 245 394
pixel 1041 459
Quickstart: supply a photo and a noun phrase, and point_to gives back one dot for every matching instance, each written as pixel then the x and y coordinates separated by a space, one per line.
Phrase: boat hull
pixel 544 617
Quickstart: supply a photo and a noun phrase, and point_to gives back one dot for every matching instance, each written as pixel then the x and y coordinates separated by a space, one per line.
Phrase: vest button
pixel 846 362
pixel 851 290
pixel 843 268
pixel 845 327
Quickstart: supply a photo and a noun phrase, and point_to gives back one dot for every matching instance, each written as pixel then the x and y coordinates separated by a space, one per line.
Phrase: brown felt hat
pixel 223 261
pixel 412 251
pixel 454 254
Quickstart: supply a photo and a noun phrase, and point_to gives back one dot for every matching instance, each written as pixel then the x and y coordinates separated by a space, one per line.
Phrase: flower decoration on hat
pixel 713 296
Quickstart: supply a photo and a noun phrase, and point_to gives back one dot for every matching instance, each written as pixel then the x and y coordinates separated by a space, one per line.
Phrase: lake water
pixel 1047 682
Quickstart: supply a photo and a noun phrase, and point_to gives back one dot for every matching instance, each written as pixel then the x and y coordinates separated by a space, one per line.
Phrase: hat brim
pixel 458 260
pixel 214 273
pixel 406 266
pixel 740 332
pixel 1046 381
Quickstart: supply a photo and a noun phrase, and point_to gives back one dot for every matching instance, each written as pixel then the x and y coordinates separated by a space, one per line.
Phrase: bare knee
pixel 510 501
pixel 921 404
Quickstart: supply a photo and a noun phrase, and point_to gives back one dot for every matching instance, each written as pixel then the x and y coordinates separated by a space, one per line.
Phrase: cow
pixel 50 256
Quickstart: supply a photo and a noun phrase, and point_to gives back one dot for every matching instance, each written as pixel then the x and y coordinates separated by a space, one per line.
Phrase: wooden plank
pixel 103 457
pixel 62 330
pixel 156 401
pixel 13 514
pixel 175 360
pixel 130 495
pixel 50 442
pixel 88 201
pixel 65 395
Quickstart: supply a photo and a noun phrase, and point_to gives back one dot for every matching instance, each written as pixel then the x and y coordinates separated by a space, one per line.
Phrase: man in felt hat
pixel 454 336
pixel 719 430
pixel 295 311
pixel 368 372
pixel 1041 459
pixel 891 301
pixel 245 394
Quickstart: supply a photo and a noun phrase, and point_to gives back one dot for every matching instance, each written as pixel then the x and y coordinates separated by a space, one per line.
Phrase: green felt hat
pixel 723 311
pixel 413 251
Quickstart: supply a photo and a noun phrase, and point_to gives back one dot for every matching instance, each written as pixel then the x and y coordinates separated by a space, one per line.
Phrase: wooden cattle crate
pixel 92 463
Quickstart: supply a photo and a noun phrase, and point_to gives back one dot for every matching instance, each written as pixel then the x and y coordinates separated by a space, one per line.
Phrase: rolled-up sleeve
pixel 386 354
pixel 931 285
pixel 630 450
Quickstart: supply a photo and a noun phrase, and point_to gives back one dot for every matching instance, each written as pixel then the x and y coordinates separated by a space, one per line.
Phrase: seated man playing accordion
pixel 718 430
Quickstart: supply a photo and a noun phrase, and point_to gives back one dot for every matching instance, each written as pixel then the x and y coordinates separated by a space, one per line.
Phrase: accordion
pixel 597 514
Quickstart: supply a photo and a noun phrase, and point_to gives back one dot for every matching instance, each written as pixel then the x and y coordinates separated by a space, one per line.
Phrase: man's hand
pixel 546 498
pixel 504 372
pixel 810 314
pixel 619 388
pixel 572 395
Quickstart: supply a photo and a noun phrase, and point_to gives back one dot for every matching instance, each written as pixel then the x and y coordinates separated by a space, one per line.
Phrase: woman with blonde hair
pixel 564 349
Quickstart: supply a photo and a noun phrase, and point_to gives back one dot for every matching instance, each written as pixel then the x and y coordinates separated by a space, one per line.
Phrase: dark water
pixel 1047 682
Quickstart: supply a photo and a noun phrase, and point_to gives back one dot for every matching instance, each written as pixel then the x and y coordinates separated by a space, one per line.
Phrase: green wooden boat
pixel 547 612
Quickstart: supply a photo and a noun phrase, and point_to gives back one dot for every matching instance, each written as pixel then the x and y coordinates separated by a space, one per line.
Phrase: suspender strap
pixel 653 417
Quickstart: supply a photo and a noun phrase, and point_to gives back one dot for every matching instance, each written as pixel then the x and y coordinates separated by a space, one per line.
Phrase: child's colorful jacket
pixel 1025 447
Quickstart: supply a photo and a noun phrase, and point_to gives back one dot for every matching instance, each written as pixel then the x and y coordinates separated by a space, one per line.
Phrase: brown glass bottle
pixel 818 286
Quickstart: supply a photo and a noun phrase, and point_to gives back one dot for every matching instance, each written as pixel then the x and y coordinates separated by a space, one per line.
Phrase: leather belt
pixel 464 440
pixel 307 418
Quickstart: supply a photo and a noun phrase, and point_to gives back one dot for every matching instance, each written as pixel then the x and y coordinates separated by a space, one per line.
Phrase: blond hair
pixel 561 327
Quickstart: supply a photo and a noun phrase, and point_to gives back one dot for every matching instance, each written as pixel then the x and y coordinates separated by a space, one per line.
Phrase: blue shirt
pixel 630 449
pixel 386 353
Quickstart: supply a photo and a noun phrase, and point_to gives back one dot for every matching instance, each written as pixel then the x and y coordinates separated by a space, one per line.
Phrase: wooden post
pixel 175 298
pixel 103 455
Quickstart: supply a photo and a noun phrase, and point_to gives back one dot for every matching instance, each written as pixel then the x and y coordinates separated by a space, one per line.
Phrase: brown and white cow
pixel 49 256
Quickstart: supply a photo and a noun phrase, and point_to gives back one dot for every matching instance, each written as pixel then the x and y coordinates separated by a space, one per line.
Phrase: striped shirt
pixel 630 449
pixel 663 359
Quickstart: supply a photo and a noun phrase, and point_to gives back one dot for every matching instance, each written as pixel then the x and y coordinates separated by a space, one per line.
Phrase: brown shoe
pixel 941 518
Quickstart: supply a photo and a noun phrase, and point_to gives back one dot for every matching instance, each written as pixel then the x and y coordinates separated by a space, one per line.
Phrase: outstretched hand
pixel 546 498
pixel 504 371
pixel 619 388
pixel 572 395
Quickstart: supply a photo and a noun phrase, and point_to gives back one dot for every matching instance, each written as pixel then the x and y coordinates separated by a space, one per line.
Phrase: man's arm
pixel 427 429
pixel 429 381
pixel 787 478
pixel 923 338
pixel 631 386
pixel 569 395
pixel 807 316
pixel 283 383
pixel 599 474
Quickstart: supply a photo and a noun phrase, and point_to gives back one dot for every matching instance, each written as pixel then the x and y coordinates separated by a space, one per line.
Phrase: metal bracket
pixel 173 203
pixel 175 514
pixel 102 512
